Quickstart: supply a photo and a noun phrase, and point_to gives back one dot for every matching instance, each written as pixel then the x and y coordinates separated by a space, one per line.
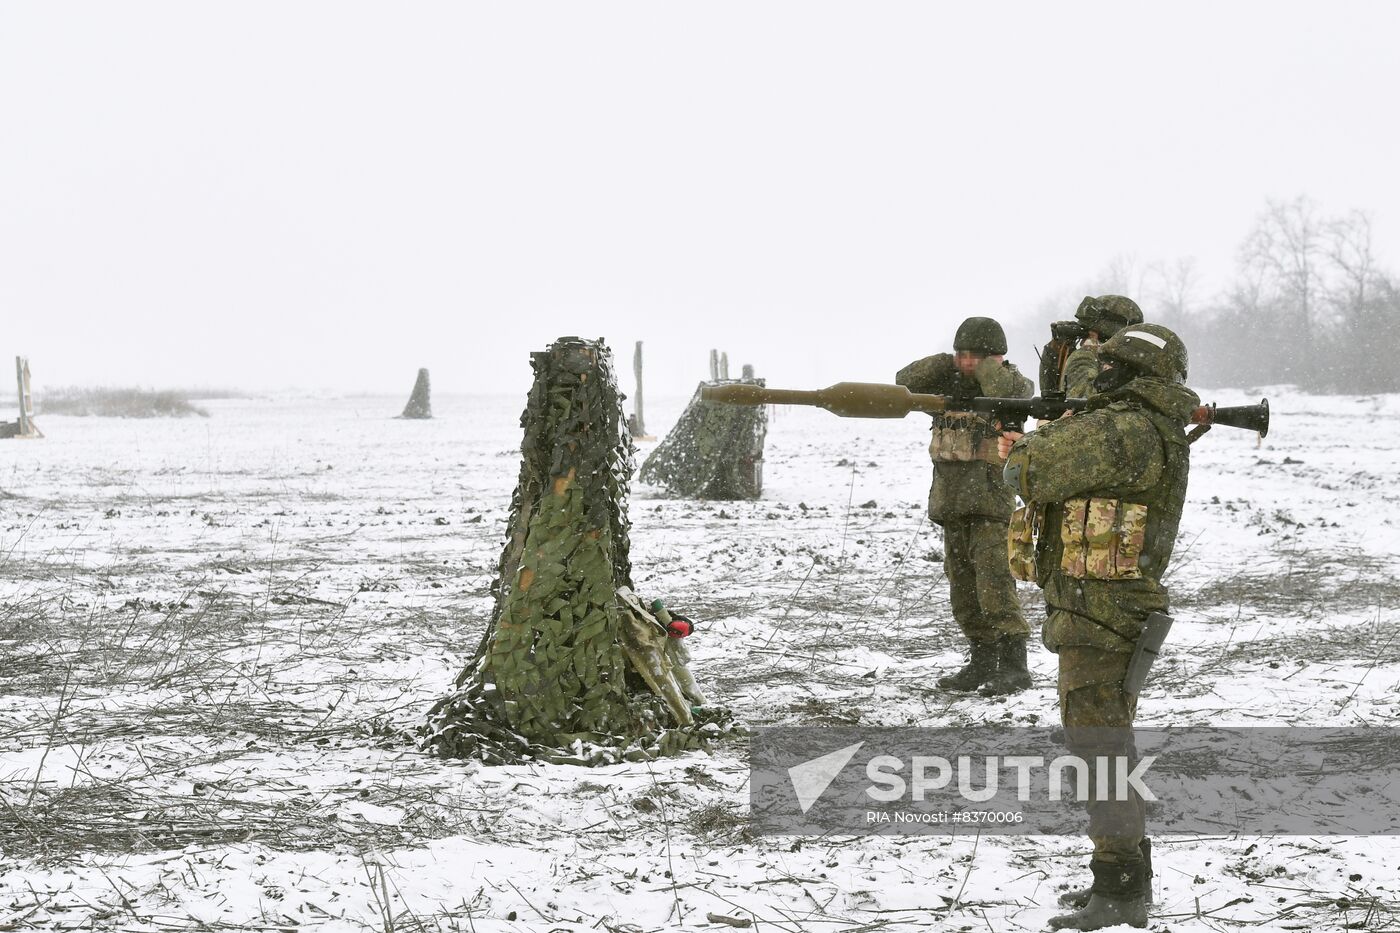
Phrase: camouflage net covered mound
pixel 419 403
pixel 569 671
pixel 715 451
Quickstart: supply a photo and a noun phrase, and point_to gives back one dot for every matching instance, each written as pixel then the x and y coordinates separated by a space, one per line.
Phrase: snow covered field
pixel 214 633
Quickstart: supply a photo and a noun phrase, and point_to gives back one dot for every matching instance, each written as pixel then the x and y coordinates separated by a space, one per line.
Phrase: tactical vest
pixel 1117 534
pixel 961 437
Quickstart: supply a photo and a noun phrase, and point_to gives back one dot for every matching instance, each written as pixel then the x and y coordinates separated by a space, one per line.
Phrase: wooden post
pixel 23 413
pixel 724 365
pixel 25 426
pixel 639 428
pixel 714 366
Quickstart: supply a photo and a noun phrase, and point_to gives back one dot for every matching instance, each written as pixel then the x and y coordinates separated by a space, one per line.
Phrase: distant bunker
pixel 715 451
pixel 419 402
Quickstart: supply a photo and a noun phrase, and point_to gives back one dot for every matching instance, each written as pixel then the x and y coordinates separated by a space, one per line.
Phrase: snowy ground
pixel 214 631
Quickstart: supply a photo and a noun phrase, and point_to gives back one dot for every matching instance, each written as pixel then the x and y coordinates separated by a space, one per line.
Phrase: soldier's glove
pixel 679 626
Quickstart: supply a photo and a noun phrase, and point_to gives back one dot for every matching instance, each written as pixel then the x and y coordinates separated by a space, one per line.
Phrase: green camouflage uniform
pixel 1081 367
pixel 1100 558
pixel 972 503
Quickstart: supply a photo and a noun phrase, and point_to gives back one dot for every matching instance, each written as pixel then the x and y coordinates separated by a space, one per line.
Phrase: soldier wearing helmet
pixel 1074 348
pixel 1106 489
pixel 972 504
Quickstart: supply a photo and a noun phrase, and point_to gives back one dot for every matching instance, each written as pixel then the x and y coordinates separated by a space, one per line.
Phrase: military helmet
pixel 1108 313
pixel 980 335
pixel 1151 348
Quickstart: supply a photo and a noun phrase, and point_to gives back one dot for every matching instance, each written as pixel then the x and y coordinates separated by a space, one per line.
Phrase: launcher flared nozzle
pixel 1247 417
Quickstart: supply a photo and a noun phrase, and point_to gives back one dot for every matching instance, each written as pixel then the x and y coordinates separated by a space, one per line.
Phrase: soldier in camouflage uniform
pixel 1105 489
pixel 1104 316
pixel 972 504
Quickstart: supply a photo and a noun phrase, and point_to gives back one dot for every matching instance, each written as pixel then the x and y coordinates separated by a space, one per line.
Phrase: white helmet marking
pixel 1153 339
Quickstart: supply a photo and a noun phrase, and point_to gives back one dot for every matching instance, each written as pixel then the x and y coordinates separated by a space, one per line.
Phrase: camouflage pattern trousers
pixel 1098 717
pixel 980 586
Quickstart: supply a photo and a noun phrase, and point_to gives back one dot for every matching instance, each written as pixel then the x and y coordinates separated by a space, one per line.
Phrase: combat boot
pixel 981 666
pixel 1079 897
pixel 1012 674
pixel 1119 896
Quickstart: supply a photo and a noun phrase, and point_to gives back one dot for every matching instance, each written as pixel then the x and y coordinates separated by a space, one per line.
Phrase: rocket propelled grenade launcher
pixel 878 400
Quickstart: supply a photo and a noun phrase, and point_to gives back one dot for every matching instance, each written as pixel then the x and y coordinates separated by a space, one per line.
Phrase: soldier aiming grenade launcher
pixel 877 400
pixel 1069 330
pixel 1064 337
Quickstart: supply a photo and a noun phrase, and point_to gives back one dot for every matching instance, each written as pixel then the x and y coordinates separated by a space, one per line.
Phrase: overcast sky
pixel 330 195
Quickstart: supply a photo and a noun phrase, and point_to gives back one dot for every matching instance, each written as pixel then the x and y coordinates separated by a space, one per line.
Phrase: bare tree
pixel 1286 246
pixel 1366 305
pixel 1347 244
pixel 1121 275
pixel 1175 291
pixel 1307 291
pixel 1124 275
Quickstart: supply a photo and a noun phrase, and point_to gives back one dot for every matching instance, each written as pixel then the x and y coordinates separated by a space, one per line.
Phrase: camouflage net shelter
pixel 419 404
pixel 715 451
pixel 572 667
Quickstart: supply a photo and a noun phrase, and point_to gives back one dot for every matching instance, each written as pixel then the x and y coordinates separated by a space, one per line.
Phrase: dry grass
pixel 120 403
pixel 122 817
pixel 1314 583
pixel 134 698
pixel 717 821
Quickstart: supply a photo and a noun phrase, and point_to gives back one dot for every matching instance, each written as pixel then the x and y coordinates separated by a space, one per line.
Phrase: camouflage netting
pixel 715 451
pixel 559 675
pixel 419 405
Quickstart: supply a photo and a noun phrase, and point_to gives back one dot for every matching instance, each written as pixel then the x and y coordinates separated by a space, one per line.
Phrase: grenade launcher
pixel 877 400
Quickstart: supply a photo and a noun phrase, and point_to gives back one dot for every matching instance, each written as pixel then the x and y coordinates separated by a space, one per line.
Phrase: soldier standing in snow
pixel 972 504
pixel 1076 358
pixel 1106 489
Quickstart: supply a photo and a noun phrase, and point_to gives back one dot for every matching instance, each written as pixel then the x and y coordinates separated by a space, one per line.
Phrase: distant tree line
pixel 1309 304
